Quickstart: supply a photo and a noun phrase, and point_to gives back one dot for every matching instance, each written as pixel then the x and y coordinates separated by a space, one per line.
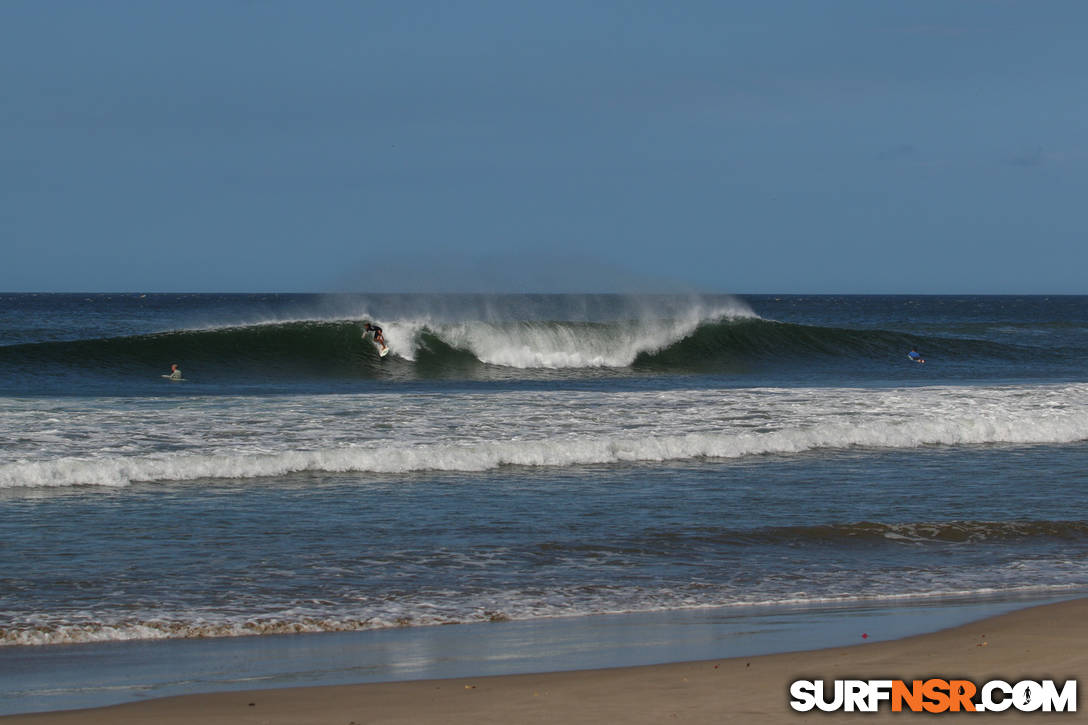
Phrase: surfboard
pixel 383 350
pixel 173 379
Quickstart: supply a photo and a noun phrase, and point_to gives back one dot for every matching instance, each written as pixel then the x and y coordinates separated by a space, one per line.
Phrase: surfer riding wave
pixel 378 336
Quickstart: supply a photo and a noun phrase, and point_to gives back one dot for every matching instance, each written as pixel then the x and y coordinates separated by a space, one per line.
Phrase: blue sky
pixel 818 146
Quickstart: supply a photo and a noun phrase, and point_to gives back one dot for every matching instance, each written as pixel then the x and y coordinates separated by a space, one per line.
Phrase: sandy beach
pixel 1037 643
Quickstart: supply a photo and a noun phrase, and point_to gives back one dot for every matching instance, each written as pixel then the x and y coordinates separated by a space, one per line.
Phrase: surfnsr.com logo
pixel 933 695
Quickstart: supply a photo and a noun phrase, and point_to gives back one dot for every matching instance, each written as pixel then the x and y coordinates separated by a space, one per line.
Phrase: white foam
pixel 241 438
pixel 497 338
pixel 493 606
pixel 553 345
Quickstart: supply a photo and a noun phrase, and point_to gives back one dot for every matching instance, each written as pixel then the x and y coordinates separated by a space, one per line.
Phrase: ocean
pixel 520 460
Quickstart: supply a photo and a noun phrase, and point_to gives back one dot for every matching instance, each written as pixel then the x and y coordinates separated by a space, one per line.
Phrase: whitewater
pixel 527 344
pixel 108 443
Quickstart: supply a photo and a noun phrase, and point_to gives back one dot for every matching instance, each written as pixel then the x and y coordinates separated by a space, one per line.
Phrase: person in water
pixel 175 372
pixel 913 355
pixel 378 337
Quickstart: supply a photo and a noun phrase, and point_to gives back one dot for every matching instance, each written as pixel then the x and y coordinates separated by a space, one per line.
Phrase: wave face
pixel 337 350
pixel 306 348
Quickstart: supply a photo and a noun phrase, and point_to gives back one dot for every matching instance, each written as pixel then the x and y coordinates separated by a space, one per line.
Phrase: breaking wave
pixel 323 349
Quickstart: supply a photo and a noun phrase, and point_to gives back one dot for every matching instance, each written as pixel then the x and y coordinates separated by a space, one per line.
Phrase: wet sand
pixel 1045 642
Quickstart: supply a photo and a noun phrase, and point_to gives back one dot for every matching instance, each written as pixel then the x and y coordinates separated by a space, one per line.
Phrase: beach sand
pixel 1044 642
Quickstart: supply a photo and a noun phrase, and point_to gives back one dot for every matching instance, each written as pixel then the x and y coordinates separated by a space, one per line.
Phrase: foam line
pixel 377 457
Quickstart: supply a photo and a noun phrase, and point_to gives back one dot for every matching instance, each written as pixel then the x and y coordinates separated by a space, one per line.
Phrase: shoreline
pixel 1036 642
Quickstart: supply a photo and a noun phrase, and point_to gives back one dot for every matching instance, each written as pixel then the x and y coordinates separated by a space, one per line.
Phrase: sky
pixel 816 146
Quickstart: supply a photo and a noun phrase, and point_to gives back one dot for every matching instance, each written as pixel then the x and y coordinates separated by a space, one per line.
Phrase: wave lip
pixel 559 344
